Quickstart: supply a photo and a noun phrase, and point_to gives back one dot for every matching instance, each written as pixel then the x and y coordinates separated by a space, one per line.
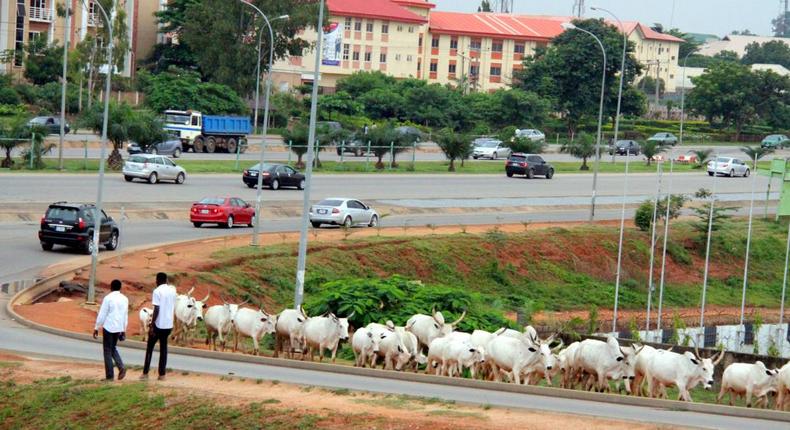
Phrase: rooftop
pixel 376 9
pixel 496 25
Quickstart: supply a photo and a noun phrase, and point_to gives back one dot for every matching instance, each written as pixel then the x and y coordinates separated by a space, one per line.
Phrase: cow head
pixel 629 364
pixel 403 356
pixel 341 325
pixel 702 368
pixel 199 306
pixel 267 321
pixel 375 340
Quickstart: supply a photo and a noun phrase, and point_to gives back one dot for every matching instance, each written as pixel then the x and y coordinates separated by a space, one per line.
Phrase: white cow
pixel 603 360
pixel 436 355
pixel 289 331
pixel 392 348
pixel 460 354
pixel 783 387
pixel 429 327
pixel 640 368
pixel 517 356
pixel 325 332
pixel 365 346
pixel 253 324
pixel 188 312
pixel 684 371
pixel 146 317
pixel 412 347
pixel 748 379
pixel 566 361
pixel 219 323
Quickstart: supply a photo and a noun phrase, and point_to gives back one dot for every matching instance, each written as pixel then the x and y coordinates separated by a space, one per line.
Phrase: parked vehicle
pixel 168 147
pixel 343 211
pixel 153 168
pixel 688 158
pixel 664 139
pixel 531 134
pixel 51 123
pixel 729 166
pixel 275 176
pixel 223 211
pixel 72 225
pixel 775 141
pixel 208 133
pixel 624 147
pixel 528 165
pixel 489 148
pixel 355 146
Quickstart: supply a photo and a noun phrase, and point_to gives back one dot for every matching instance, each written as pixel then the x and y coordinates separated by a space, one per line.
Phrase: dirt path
pixel 390 412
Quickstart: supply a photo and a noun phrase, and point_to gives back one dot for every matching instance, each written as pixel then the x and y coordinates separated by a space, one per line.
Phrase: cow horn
pixel 459 319
pixel 641 347
pixel 558 347
pixel 500 331
pixel 301 309
pixel 189 293
pixel 244 302
pixel 205 299
pixel 670 348
pixel 352 315
pixel 718 359
pixel 390 325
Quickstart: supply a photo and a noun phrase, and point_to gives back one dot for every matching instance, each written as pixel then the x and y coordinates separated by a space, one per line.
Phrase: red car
pixel 224 211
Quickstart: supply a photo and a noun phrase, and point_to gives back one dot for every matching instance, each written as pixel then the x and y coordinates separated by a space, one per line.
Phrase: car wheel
pixel 732 173
pixel 177 153
pixel 180 178
pixel 113 242
pixel 153 151
pixel 357 153
pixel 746 173
pixel 347 223
pixel 199 145
pixel 710 173
pixel 316 224
pixel 47 246
pixel 197 224
pixel 251 185
pixel 211 145
pixel 301 185
pixel 88 248
pixel 153 178
pixel 509 174
pixel 128 178
pixel 339 153
pixel 493 155
pixel 550 174
pixel 530 174
pixel 475 157
pixel 275 185
pixel 229 222
pixel 374 221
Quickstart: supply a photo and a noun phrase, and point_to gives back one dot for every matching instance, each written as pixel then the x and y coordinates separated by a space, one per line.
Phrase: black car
pixel 51 123
pixel 354 146
pixel 275 176
pixel 528 165
pixel 72 225
pixel 624 147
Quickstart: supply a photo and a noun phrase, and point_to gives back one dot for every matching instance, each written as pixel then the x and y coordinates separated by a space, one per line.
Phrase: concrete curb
pixel 46 286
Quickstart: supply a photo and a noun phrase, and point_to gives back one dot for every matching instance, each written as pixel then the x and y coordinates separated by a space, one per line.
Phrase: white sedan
pixel 729 166
pixel 531 134
pixel 343 211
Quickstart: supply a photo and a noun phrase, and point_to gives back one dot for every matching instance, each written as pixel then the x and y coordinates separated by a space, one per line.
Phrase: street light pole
pixel 664 249
pixel 683 96
pixel 622 73
pixel 707 246
pixel 620 244
pixel 302 257
pixel 650 284
pixel 97 219
pixel 748 245
pixel 63 86
pixel 570 26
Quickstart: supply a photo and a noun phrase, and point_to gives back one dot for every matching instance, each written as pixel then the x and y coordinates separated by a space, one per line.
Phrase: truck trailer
pixel 208 133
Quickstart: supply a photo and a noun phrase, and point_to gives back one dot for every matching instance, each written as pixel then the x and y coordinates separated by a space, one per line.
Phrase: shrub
pixel 8 96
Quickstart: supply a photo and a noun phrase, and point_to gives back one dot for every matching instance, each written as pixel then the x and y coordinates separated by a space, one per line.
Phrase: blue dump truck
pixel 208 133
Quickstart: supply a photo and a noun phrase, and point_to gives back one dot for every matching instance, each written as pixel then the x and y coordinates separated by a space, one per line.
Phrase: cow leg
pixel 254 345
pixel 748 396
pixel 721 395
pixel 334 353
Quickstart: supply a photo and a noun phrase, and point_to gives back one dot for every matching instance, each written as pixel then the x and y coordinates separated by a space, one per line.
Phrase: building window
pixel 347 25
pixel 400 28
pixel 673 58
pixel 474 70
pixel 408 58
pixel 475 44
pixel 451 69
pixel 368 55
pixel 33 36
pixel 496 71
pixel 346 50
pixel 383 57
pixel 357 25
pixel 19 41
pixel 419 42
pixel 369 27
pixel 434 67
pixel 519 48
pixel 411 29
pixel 385 28
pixel 454 43
pixel 496 46
pixel 435 42
pixel 355 56
pixel 397 57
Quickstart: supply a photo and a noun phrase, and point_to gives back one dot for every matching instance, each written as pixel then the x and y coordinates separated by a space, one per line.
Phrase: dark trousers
pixel 109 343
pixel 161 335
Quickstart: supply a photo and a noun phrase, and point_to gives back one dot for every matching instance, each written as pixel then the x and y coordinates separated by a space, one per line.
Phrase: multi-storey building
pixel 407 38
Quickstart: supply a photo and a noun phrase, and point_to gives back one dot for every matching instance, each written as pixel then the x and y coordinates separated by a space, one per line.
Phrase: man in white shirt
pixel 112 319
pixel 164 301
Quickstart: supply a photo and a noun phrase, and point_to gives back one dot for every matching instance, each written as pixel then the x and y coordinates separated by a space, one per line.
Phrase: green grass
pixel 404 167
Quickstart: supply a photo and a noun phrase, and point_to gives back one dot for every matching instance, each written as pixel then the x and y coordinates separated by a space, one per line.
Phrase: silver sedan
pixel 728 166
pixel 153 168
pixel 343 211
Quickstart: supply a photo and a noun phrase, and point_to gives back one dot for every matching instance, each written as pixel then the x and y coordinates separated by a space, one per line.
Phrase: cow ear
pixel 400 349
pixel 300 320
pixel 436 325
pixel 472 350
pixel 620 358
pixel 769 373
pixel 531 349
pixel 695 361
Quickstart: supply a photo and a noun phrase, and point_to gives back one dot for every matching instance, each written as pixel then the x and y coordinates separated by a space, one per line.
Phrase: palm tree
pixel 381 136
pixel 297 136
pixel 12 134
pixel 755 153
pixel 702 156
pixel 454 145
pixel 651 149
pixel 582 147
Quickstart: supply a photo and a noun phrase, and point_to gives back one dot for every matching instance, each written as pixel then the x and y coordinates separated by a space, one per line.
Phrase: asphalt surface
pixel 15 337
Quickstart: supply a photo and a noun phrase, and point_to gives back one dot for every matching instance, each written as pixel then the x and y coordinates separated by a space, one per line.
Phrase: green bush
pixel 643 217
pixel 8 96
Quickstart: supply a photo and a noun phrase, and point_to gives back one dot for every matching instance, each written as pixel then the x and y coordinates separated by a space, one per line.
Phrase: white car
pixel 343 211
pixel 489 148
pixel 531 134
pixel 729 166
pixel 153 168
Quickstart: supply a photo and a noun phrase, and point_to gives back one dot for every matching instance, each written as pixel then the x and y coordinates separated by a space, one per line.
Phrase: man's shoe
pixel 122 373
pixel 161 377
pixel 144 377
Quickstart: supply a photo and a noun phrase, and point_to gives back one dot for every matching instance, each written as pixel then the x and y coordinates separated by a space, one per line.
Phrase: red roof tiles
pixel 495 25
pixel 377 9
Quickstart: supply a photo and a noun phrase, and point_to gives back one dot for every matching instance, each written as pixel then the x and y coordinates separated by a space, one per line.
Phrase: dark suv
pixel 72 224
pixel 528 165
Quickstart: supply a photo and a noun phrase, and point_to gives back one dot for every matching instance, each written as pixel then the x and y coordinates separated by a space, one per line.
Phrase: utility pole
pixel 578 8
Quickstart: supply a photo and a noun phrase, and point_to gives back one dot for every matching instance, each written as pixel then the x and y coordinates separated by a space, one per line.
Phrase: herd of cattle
pixel 504 355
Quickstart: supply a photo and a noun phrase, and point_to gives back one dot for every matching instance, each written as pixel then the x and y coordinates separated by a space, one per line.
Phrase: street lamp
pixel 257 227
pixel 102 155
pixel 570 26
pixel 622 72
pixel 683 96
pixel 66 28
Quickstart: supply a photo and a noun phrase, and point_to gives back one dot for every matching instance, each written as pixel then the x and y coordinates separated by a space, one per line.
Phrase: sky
pixel 717 17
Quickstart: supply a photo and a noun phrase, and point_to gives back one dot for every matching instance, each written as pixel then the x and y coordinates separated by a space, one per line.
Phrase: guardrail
pixel 40 14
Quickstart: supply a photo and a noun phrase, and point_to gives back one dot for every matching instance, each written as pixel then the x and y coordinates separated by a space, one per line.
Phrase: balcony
pixel 42 14
pixel 94 20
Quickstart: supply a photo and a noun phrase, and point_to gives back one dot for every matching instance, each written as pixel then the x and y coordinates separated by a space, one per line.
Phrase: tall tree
pixel 485 6
pixel 181 89
pixel 725 93
pixel 43 63
pixel 756 152
pixel 773 52
pixel 454 145
pixel 583 146
pixel 689 43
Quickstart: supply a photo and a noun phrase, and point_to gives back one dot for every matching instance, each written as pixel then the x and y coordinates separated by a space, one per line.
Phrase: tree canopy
pixel 773 52
pixel 181 89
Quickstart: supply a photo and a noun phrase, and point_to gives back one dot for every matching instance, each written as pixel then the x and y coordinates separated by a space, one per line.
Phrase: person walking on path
pixel 112 319
pixel 164 301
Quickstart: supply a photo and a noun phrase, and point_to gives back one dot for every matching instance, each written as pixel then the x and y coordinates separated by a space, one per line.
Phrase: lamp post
pixel 620 245
pixel 664 249
pixel 302 256
pixel 63 86
pixel 570 26
pixel 748 246
pixel 257 227
pixel 102 155
pixel 683 96
pixel 622 73
pixel 707 246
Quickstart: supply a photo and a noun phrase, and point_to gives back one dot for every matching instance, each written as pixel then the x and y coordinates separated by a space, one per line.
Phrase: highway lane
pixel 16 337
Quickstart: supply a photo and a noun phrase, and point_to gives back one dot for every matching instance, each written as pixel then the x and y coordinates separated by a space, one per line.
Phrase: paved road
pixel 18 338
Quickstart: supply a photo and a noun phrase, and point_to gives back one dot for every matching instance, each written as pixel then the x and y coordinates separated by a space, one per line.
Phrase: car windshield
pixel 138 159
pixel 622 142
pixel 177 119
pixel 39 120
pixel 773 137
pixel 487 144
pixel 518 158
pixel 330 202
pixel 723 160
pixel 266 167
pixel 212 201
pixel 65 214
